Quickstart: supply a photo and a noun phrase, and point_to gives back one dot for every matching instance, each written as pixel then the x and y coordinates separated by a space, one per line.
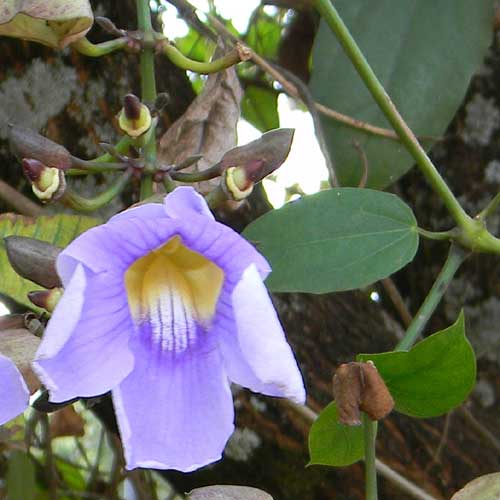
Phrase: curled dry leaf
pixel 207 128
pixel 55 23
pixel 359 386
pixel 67 422
pixel 228 493
pixel 20 346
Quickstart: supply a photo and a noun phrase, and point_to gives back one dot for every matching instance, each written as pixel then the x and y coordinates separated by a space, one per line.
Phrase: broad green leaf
pixel 194 46
pixel 72 476
pixel 485 487
pixel 339 239
pixel 55 23
pixel 434 377
pixel 424 52
pixel 259 106
pixel 21 483
pixel 59 230
pixel 333 443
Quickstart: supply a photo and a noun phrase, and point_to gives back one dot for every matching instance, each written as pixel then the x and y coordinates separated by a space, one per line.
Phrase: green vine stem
pixel 82 204
pixel 370 436
pixel 87 48
pixel 438 235
pixel 456 256
pixel 148 84
pixel 203 175
pixel 183 62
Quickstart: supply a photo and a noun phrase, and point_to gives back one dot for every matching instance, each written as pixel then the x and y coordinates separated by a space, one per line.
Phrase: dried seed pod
pixel 34 260
pixel 359 386
pixel 26 143
pixel 347 387
pixel 376 400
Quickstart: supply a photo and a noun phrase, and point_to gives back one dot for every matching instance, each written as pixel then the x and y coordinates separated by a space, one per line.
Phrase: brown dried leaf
pixel 20 346
pixel 55 23
pixel 228 493
pixel 67 422
pixel 208 127
pixel 482 488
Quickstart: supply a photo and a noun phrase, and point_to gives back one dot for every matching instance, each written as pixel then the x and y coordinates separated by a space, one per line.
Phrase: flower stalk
pixel 87 48
pixel 82 204
pixel 370 436
pixel 205 68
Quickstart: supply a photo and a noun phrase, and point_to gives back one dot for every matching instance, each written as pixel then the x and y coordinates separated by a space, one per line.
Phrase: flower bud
pixel 48 183
pixel 34 260
pixel 134 118
pixel 236 184
pixel 26 143
pixel 46 299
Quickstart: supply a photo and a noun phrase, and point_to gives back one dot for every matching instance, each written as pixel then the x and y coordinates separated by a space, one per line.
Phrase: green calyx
pixel 135 127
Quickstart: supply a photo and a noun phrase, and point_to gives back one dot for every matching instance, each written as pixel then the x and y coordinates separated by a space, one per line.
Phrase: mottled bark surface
pixel 74 101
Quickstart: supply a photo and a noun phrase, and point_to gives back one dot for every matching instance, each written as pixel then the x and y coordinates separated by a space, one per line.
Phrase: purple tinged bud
pixel 236 183
pixel 132 107
pixel 48 183
pixel 46 299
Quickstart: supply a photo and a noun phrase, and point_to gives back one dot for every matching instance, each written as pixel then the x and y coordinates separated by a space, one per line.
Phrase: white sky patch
pixel 4 310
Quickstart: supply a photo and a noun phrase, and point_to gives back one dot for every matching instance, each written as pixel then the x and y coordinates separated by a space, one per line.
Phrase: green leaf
pixel 332 443
pixel 260 107
pixel 339 239
pixel 59 230
pixel 264 35
pixel 485 487
pixel 55 23
pixel 194 46
pixel 20 476
pixel 424 52
pixel 435 376
pixel 72 476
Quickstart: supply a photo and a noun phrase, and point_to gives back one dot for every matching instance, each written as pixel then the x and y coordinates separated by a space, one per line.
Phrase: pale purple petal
pixel 146 211
pixel 253 343
pixel 185 199
pixel 84 351
pixel 174 412
pixel 14 394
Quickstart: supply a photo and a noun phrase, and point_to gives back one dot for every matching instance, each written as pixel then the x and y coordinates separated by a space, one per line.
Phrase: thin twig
pixel 364 161
pixel 397 301
pixel 382 468
pixel 488 436
pixel 18 201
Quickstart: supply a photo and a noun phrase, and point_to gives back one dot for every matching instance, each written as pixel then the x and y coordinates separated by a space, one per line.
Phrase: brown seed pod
pixel 359 387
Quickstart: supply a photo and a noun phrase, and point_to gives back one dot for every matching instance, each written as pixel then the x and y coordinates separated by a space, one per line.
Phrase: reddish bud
pixel 132 107
pixel 46 299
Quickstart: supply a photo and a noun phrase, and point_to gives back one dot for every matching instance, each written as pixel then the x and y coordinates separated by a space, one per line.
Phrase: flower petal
pixel 174 412
pixel 84 351
pixel 186 199
pixel 14 394
pixel 145 211
pixel 253 343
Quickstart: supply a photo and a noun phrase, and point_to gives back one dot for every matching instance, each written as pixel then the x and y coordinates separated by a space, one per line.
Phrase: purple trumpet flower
pixel 14 394
pixel 164 306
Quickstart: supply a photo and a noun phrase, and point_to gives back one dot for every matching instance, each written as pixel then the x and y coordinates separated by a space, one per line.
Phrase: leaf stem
pixel 437 235
pixel 370 436
pixel 332 17
pixel 87 48
pixel 455 258
pixel 490 208
pixel 148 88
